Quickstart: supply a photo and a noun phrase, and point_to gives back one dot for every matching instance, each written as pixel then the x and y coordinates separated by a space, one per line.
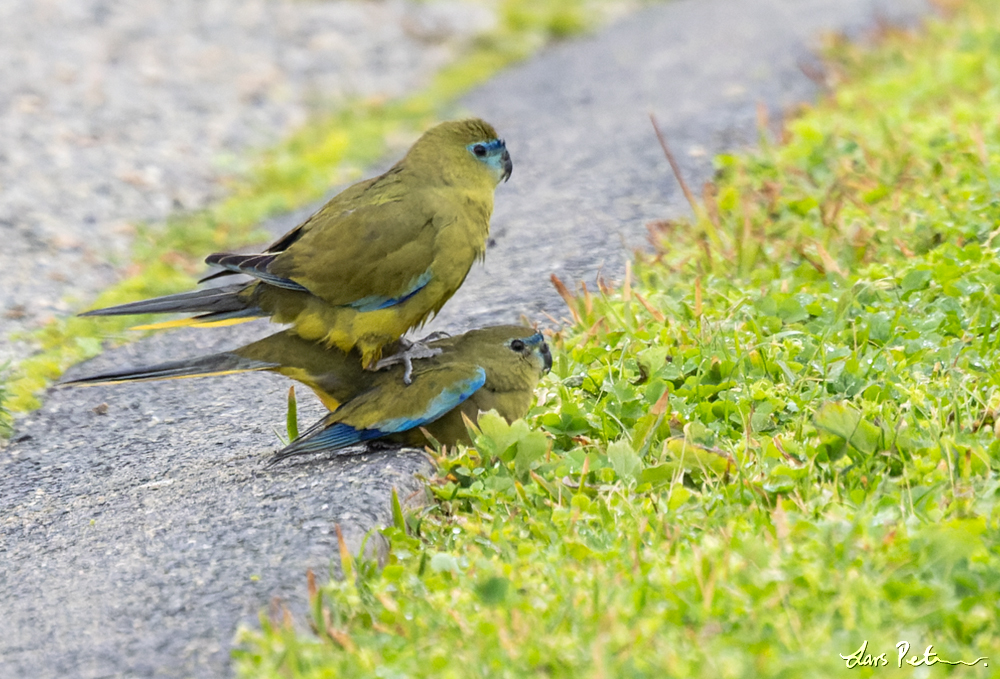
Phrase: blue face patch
pixel 493 154
pixel 538 346
pixel 483 149
pixel 528 341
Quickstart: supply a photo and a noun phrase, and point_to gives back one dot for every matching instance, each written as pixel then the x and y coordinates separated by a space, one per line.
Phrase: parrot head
pixel 514 356
pixel 462 151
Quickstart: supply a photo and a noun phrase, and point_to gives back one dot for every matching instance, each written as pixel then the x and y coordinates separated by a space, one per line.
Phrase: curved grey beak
pixel 546 356
pixel 507 165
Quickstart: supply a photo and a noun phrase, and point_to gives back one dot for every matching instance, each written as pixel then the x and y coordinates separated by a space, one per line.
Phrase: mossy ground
pixel 774 442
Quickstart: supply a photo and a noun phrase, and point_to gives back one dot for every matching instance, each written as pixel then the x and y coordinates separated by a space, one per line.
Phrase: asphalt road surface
pixel 136 537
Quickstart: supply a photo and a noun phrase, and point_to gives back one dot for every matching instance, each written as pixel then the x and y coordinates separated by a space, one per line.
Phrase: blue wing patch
pixel 376 302
pixel 448 399
pixel 340 435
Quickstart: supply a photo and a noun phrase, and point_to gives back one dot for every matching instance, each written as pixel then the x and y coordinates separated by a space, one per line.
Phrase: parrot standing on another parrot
pixel 379 259
pixel 490 368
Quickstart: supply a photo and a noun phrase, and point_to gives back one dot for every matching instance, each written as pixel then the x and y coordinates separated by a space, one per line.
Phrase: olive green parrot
pixel 379 259
pixel 490 368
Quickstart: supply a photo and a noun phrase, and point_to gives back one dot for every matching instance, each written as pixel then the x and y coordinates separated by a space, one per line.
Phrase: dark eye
pixel 479 150
pixel 517 345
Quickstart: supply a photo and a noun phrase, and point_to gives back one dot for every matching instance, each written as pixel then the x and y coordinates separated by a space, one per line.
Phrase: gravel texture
pixel 133 542
pixel 115 112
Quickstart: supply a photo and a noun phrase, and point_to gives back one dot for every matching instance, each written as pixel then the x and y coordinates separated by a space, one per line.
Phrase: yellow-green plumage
pixel 365 400
pixel 493 368
pixel 377 260
pixel 335 376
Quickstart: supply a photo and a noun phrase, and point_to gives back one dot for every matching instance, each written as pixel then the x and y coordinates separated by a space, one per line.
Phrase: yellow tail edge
pixel 127 380
pixel 192 323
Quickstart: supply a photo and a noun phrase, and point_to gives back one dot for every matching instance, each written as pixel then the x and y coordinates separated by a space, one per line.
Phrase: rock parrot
pixel 379 259
pixel 489 368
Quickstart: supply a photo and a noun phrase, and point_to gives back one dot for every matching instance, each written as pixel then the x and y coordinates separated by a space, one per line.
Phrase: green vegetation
pixel 775 441
pixel 330 150
pixel 6 419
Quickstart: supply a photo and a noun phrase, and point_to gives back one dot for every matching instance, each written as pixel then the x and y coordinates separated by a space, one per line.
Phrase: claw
pixel 434 336
pixel 411 351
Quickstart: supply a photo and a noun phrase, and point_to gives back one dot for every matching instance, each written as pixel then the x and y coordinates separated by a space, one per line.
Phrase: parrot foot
pixel 439 334
pixel 412 351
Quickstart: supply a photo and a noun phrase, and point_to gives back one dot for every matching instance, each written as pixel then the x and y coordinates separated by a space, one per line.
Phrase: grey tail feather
pixel 235 260
pixel 245 264
pixel 212 301
pixel 204 365
pixel 233 264
pixel 217 274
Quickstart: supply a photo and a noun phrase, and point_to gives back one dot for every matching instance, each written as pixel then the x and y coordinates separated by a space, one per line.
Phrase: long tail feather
pixel 222 300
pixel 320 437
pixel 217 274
pixel 215 364
pixel 219 320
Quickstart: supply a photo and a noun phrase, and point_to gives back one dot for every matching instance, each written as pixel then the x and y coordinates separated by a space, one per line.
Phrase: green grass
pixel 776 440
pixel 6 420
pixel 331 149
